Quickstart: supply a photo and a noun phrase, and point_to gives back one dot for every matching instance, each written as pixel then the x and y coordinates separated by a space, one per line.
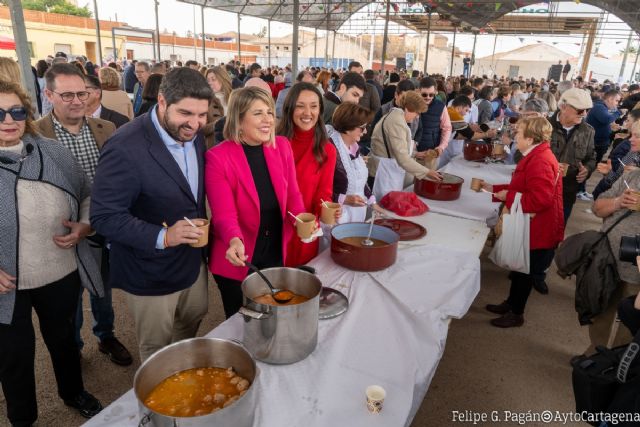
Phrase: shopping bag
pixel 511 250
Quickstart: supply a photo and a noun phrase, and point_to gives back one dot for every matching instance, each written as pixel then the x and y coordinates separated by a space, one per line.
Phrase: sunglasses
pixel 580 110
pixel 18 114
pixel 428 95
pixel 68 96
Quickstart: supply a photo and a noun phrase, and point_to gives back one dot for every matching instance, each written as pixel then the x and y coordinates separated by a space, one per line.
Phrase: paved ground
pixel 483 369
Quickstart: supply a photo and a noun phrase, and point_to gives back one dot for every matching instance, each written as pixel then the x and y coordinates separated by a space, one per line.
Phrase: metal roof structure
pixel 475 15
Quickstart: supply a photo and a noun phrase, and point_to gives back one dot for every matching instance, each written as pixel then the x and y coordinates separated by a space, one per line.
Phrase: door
pixel 90 51
pixel 513 71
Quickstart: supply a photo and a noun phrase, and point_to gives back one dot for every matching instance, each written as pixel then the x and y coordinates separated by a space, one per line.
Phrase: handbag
pixel 511 250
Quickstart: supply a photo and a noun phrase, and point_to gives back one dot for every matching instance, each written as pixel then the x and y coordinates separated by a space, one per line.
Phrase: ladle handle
pixel 257 270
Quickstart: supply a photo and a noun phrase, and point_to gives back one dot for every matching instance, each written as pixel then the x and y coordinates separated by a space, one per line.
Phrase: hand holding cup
pixel 182 233
pixel 604 167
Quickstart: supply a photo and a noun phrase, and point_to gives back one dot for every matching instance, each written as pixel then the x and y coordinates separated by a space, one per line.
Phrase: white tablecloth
pixel 471 205
pixel 393 335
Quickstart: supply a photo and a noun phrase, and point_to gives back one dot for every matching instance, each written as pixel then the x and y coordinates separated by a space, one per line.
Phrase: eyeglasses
pixel 362 127
pixel 68 96
pixel 580 110
pixel 428 95
pixel 18 114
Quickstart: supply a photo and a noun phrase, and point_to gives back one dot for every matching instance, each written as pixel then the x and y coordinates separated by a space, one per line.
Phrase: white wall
pixel 144 51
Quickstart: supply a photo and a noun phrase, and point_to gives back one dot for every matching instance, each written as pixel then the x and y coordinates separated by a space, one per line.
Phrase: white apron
pixel 389 175
pixel 357 174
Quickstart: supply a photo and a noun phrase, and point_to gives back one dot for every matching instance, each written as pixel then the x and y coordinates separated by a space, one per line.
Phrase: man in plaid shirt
pixel 66 123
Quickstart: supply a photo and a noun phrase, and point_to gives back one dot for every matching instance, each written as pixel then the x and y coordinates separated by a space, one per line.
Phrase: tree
pixel 262 33
pixel 632 50
pixel 55 6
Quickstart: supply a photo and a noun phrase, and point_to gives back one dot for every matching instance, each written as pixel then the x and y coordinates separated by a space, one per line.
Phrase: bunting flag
pixel 498 6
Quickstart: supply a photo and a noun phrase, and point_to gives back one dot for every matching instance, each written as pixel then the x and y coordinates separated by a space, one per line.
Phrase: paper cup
pixel 328 214
pixel 204 239
pixel 305 228
pixel 498 149
pixel 476 184
pixel 375 398
pixel 566 168
pixel 637 206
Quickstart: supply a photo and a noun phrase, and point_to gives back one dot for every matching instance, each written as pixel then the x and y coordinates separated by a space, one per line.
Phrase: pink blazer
pixel 234 202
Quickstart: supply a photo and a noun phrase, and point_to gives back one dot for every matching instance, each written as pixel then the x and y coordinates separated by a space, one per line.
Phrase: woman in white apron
pixel 350 178
pixel 391 161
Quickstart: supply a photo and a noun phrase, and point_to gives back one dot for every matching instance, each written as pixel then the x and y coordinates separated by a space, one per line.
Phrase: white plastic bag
pixel 511 251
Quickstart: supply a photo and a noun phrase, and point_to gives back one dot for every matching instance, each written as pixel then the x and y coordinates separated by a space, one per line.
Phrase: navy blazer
pixel 138 186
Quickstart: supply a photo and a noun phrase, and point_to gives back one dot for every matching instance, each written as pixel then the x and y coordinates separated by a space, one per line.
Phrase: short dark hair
pixel 190 62
pixel 61 69
pixel 415 73
pixel 184 82
pixel 369 74
pixel 461 101
pixel 353 64
pixel 478 81
pixel 485 92
pixel 150 90
pixel 427 82
pixel 405 86
pixel 394 78
pixel 611 93
pixel 253 67
pixel 93 81
pixel 301 75
pixel 634 87
pixel 465 90
pixel 144 65
pixel 349 116
pixel 351 79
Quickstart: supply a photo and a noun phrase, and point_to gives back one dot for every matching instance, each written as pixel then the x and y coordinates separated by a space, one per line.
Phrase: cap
pixel 577 98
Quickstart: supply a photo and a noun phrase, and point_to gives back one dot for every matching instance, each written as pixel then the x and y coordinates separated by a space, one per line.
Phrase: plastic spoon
pixel 279 296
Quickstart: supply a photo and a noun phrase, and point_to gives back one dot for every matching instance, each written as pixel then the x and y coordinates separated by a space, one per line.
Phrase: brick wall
pixel 63 20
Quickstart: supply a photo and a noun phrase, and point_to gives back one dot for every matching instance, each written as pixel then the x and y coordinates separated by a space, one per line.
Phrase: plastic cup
pixel 375 397
pixel 204 239
pixel 637 205
pixel 566 168
pixel 305 226
pixel 476 184
pixel 328 214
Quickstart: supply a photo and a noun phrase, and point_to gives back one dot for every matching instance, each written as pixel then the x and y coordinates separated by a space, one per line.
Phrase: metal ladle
pixel 281 297
pixel 368 241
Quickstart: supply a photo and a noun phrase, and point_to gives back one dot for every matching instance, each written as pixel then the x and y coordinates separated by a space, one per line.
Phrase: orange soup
pixel 267 299
pixel 196 392
pixel 357 241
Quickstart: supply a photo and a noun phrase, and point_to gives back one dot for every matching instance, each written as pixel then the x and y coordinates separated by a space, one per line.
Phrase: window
pixel 266 47
pixel 286 48
pixel 66 48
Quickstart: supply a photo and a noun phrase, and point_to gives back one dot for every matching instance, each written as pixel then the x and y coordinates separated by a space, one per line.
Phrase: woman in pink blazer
pixel 250 180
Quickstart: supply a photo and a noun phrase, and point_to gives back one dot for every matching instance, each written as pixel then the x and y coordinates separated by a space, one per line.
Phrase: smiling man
pixel 150 177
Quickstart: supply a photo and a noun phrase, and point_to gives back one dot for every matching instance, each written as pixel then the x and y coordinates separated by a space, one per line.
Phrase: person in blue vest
pixel 436 125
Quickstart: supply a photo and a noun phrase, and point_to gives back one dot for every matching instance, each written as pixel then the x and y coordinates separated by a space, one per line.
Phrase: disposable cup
pixel 305 226
pixel 204 239
pixel 476 184
pixel 328 214
pixel 375 398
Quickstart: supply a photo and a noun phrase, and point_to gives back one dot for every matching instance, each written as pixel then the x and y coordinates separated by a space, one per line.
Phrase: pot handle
pixel 252 314
pixel 307 268
pixel 146 419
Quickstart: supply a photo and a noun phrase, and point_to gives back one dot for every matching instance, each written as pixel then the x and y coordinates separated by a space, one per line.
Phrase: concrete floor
pixel 483 369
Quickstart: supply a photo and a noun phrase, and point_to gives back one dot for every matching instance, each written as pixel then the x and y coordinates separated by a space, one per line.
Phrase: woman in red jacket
pixel 314 155
pixel 537 178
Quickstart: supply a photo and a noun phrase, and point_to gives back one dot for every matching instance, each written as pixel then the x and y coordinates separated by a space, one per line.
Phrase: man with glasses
pixel 436 125
pixel 66 89
pixel 95 108
pixel 143 71
pixel 572 142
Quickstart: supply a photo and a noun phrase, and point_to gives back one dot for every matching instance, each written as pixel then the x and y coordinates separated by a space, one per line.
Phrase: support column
pixel 625 56
pixel 635 63
pixel 315 43
pixel 453 49
pixel 587 53
pixel 99 54
pixel 157 31
pixel 333 49
pixel 493 54
pixel 204 40
pixel 384 38
pixel 371 45
pixel 473 53
pixel 22 49
pixel 195 36
pixel 326 43
pixel 269 41
pixel 239 41
pixel 426 51
pixel 296 24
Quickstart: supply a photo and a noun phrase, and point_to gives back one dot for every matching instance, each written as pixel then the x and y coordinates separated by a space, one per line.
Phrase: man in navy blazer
pixel 150 177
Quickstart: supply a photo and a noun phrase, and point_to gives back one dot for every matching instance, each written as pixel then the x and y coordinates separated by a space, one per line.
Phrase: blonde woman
pixel 113 97
pixel 220 82
pixel 9 70
pixel 250 175
pixel 392 148
pixel 550 99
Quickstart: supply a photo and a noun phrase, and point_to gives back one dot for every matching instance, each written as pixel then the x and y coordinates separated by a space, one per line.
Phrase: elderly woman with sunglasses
pixel 43 259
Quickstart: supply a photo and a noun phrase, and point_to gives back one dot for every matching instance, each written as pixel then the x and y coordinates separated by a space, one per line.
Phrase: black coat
pixel 113 116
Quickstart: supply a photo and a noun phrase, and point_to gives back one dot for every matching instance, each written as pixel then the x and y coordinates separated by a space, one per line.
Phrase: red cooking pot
pixel 447 189
pixel 476 150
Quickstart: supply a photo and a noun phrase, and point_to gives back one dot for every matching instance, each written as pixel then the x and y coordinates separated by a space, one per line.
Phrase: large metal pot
pixel 448 189
pixel 474 151
pixel 197 353
pixel 281 334
pixel 363 258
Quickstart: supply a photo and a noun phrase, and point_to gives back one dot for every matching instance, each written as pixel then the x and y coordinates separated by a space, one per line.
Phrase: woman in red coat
pixel 537 178
pixel 314 155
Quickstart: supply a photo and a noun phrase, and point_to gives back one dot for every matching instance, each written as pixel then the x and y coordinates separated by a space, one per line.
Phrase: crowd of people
pixel 141 149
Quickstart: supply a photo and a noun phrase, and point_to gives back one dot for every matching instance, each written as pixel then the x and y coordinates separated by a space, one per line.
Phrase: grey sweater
pixel 49 162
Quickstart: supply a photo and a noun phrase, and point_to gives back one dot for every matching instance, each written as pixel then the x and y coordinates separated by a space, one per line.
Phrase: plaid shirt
pixel 83 146
pixel 631 159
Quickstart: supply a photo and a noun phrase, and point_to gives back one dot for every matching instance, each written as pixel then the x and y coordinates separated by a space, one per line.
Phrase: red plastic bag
pixel 404 203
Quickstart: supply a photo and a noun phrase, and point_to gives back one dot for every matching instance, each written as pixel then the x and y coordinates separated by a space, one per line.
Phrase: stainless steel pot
pixel 197 353
pixel 286 333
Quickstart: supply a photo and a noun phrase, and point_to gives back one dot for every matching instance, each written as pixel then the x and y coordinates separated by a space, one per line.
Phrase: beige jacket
pixel 101 129
pixel 118 100
pixel 399 140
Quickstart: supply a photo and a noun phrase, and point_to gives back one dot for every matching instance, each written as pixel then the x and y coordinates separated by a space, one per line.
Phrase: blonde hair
pixel 109 78
pixel 9 70
pixel 223 77
pixel 549 98
pixel 537 128
pixel 239 103
pixel 412 101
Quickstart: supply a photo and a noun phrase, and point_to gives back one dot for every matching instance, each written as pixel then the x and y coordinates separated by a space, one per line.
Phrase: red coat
pixel 234 201
pixel 275 90
pixel 315 182
pixel 537 178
